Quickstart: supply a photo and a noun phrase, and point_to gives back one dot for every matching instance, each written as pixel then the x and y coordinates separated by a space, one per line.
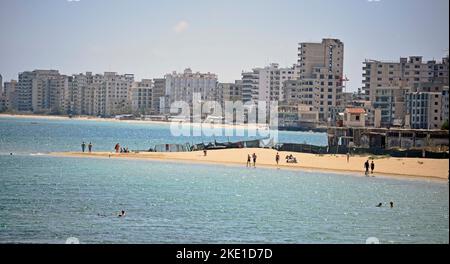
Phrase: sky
pixel 151 38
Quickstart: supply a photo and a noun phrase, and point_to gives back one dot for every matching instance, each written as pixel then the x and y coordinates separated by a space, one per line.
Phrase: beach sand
pixel 432 169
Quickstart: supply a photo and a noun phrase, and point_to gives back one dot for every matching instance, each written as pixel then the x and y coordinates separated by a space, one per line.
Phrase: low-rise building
pixel 354 117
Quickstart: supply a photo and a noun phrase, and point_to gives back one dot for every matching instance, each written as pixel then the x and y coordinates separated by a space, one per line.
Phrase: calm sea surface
pixel 47 200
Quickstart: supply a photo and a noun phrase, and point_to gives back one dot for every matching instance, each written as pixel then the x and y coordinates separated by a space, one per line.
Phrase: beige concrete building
pixel 42 91
pixel 321 67
pixel 354 117
pixel 141 95
pixel 229 92
pixel 387 83
pixel 183 86
pixel 159 90
pixel 10 95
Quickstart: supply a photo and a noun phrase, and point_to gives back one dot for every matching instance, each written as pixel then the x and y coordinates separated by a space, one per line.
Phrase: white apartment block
pixel 183 86
pixel 105 94
pixel 321 75
pixel 424 110
pixel 266 84
pixel 141 95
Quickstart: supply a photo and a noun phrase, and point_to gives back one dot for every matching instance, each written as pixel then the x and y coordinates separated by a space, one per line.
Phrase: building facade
pixel 387 84
pixel 141 95
pixel 321 76
pixel 42 91
pixel 183 86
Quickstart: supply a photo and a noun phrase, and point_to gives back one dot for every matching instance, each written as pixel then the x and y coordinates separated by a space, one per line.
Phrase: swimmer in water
pixel 380 205
pixel 392 204
pixel 122 214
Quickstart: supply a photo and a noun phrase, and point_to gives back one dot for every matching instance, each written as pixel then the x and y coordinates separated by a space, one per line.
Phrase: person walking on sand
pixel 372 167
pixel 348 157
pixel 117 148
pixel 83 146
pixel 90 147
pixel 254 160
pixel 366 166
pixel 249 160
pixel 205 153
pixel 277 158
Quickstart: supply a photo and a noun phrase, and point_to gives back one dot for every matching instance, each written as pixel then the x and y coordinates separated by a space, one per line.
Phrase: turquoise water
pixel 46 199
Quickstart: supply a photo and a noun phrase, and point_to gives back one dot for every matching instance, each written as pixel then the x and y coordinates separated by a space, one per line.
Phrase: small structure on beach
pixel 384 138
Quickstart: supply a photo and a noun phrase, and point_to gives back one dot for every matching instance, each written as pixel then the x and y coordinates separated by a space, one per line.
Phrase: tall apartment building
pixel 105 94
pixel 10 95
pixel 229 92
pixel 321 75
pixel 159 90
pixel 445 104
pixel 424 110
pixel 1 84
pixel 182 86
pixel 266 84
pixel 42 91
pixel 387 83
pixel 141 95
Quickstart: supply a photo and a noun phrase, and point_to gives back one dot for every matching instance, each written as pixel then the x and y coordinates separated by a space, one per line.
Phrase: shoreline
pixel 423 169
pixel 149 122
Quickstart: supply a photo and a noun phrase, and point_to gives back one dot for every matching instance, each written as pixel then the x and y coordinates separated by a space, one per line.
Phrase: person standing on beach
pixel 254 159
pixel 348 157
pixel 367 165
pixel 205 153
pixel 372 166
pixel 117 148
pixel 249 160
pixel 277 158
pixel 83 146
pixel 90 147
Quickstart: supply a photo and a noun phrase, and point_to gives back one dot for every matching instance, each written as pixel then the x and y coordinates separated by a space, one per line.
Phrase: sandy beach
pixel 432 169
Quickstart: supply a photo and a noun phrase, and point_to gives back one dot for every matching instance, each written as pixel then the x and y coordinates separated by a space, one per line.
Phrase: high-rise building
pixel 10 95
pixel 141 95
pixel 159 90
pixel 387 84
pixel 424 110
pixel 445 104
pixel 42 91
pixel 266 84
pixel 183 86
pixel 321 75
pixel 229 92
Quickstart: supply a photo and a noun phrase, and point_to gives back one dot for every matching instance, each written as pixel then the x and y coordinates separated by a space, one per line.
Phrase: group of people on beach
pixel 251 158
pixel 369 166
pixel 83 147
pixel 119 149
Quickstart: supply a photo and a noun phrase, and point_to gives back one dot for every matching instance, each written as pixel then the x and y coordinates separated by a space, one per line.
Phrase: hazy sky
pixel 151 38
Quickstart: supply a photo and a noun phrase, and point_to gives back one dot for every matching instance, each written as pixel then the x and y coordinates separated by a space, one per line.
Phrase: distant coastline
pixel 97 119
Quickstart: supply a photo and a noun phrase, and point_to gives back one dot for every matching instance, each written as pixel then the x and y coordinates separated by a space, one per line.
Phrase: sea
pixel 55 200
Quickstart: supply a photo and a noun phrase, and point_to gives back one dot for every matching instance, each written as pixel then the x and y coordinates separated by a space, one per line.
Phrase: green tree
pixel 445 126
